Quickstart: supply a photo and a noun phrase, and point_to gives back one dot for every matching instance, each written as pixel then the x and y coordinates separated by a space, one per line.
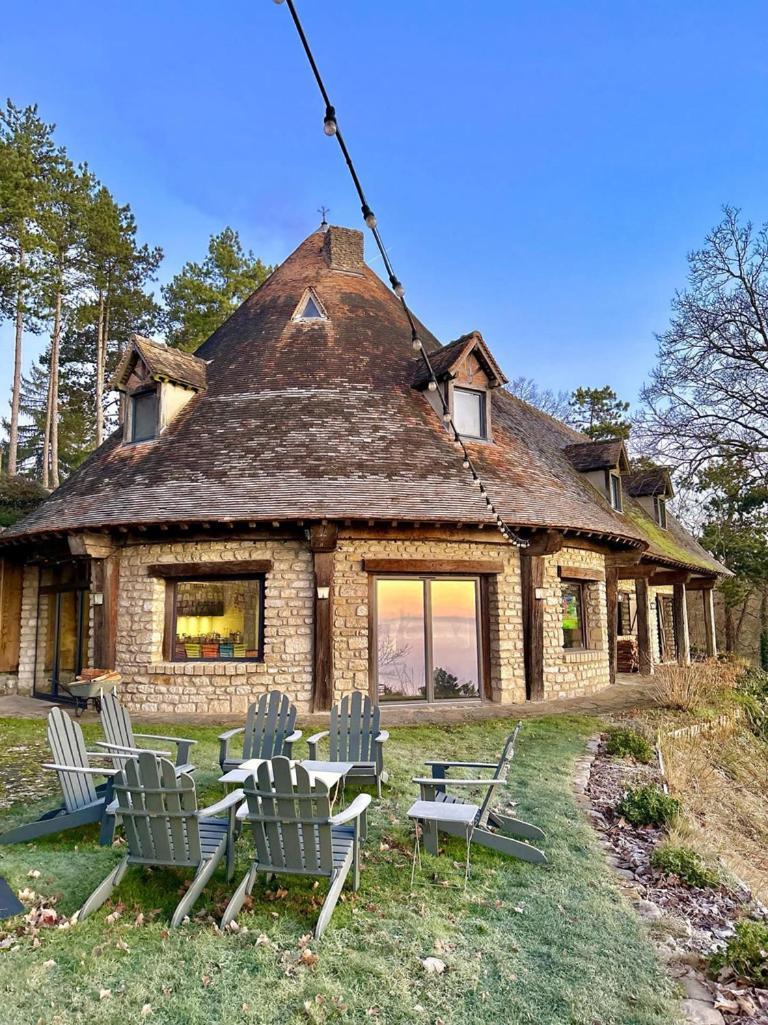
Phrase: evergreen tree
pixel 599 413
pixel 26 156
pixel 202 295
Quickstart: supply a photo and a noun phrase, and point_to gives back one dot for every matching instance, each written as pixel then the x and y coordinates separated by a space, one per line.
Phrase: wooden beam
pixel 611 602
pixel 532 578
pixel 665 578
pixel 644 649
pixel 680 622
pixel 545 542
pixel 475 566
pixel 322 658
pixel 639 572
pixel 239 568
pixel 623 560
pixel 710 632
pixel 103 591
pixel 323 537
pixel 701 583
pixel 580 573
pixel 11 582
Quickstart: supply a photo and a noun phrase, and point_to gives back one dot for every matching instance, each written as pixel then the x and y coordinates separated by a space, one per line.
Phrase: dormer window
pixel 660 511
pixel 143 415
pixel 469 412
pixel 309 308
pixel 615 488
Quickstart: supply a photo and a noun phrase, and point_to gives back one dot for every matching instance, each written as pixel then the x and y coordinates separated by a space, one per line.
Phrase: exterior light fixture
pixel 329 124
pixel 396 286
pixel 368 216
pixel 432 385
pixel 323 592
pixel 465 464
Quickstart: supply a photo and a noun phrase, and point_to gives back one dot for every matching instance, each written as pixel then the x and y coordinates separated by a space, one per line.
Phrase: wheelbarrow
pixel 89 687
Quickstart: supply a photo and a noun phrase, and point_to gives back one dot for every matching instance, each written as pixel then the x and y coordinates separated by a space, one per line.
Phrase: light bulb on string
pixel 329 123
pixel 397 287
pixel 415 342
pixel 368 216
pixel 432 385
pixel 465 464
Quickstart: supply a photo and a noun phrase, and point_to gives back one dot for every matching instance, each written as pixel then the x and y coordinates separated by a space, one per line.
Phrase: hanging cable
pixel 331 128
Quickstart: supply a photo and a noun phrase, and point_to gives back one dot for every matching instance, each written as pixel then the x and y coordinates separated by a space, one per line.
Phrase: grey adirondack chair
pixel 294 833
pixel 82 801
pixel 121 738
pixel 355 736
pixel 164 828
pixel 490 826
pixel 270 730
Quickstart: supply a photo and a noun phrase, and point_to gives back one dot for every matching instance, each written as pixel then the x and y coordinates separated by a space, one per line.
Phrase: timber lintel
pixel 240 568
pixel 95 545
pixel 545 542
pixel 663 579
pixel 580 573
pixel 475 566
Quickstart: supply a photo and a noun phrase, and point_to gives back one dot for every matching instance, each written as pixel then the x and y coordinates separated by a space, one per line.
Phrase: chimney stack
pixel 343 248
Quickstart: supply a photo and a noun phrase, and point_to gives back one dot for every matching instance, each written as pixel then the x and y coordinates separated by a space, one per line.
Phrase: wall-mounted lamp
pixel 97 598
pixel 323 592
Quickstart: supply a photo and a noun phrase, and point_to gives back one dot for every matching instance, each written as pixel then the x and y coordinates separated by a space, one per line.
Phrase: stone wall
pixel 26 676
pixel 152 684
pixel 351 609
pixel 569 672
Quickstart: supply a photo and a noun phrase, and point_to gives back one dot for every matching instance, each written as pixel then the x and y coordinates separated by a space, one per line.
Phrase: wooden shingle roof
pixel 318 418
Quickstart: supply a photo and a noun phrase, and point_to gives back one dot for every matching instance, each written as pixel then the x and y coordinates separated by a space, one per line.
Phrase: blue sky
pixel 539 171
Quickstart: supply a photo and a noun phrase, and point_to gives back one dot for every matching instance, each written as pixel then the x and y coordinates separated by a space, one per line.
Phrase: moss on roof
pixel 672 545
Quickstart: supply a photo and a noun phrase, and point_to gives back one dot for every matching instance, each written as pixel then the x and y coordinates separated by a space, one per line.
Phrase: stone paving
pixel 629 691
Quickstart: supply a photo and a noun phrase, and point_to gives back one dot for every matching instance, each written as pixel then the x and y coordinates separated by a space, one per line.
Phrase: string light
pixel 331 128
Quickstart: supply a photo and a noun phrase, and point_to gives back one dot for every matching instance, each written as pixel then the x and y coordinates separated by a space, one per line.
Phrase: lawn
pixel 552 946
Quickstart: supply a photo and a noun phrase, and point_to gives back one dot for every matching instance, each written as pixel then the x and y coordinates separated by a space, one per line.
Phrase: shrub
pixel 753 695
pixel 626 743
pixel 689 687
pixel 746 953
pixel 684 863
pixel 18 496
pixel 648 806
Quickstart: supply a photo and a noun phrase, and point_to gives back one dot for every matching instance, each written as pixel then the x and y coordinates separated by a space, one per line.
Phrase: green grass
pixel 550 946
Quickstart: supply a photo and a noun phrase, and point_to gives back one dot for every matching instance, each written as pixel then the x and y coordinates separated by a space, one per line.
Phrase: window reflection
pixel 427 630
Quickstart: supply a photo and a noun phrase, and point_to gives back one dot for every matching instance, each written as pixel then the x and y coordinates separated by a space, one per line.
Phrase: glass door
pixel 427 639
pixel 62 638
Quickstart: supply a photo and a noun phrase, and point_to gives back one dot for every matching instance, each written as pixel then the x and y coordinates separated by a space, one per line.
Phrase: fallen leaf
pixel 33 873
pixel 49 964
pixel 308 958
pixel 146 1010
pixel 433 965
pixel 105 994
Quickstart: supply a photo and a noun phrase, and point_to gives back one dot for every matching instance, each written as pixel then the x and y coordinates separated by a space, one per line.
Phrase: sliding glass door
pixel 62 633
pixel 428 638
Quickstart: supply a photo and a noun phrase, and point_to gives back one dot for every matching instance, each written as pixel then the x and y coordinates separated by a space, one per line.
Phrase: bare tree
pixel 708 393
pixel 556 404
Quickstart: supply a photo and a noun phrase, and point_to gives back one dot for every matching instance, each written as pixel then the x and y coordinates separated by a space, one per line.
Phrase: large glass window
pixel 144 416
pixel 469 412
pixel 218 620
pixel 572 598
pixel 427 637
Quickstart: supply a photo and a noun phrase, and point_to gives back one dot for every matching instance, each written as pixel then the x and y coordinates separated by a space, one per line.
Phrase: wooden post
pixel 611 600
pixel 11 582
pixel 644 650
pixel 708 597
pixel 322 543
pixel 680 621
pixel 532 576
pixel 104 591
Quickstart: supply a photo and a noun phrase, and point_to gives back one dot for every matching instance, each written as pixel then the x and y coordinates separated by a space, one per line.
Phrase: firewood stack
pixel 627 659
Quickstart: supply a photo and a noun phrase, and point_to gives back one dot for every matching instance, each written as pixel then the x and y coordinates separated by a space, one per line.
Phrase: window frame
pixel 579 584
pixel 615 492
pixel 131 425
pixel 660 510
pixel 482 395
pixel 483 635
pixel 169 631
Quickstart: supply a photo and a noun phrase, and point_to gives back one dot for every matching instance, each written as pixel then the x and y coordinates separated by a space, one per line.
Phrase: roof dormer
pixel 603 463
pixel 156 383
pixel 466 373
pixel 652 487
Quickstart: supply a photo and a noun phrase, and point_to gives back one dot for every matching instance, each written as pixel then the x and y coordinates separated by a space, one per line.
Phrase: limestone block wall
pixel 153 685
pixel 351 609
pixel 22 682
pixel 570 672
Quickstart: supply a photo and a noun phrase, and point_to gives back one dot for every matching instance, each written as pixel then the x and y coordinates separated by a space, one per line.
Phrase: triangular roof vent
pixel 310 308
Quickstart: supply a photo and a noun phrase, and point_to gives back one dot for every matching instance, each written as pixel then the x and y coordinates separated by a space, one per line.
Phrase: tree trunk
pixel 13 433
pixel 47 429
pixel 100 374
pixel 762 655
pixel 730 632
pixel 55 349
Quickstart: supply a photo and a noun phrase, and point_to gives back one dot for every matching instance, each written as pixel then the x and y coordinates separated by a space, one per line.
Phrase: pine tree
pixel 599 413
pixel 26 155
pixel 202 295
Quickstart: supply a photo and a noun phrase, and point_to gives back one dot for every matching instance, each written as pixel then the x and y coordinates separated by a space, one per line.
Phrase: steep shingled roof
pixel 446 360
pixel 648 482
pixel 163 364
pixel 319 419
pixel 597 455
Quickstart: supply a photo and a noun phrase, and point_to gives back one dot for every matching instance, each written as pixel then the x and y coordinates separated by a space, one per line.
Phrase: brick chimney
pixel 343 248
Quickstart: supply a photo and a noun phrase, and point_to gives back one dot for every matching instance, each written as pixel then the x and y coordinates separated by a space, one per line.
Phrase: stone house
pixel 290 507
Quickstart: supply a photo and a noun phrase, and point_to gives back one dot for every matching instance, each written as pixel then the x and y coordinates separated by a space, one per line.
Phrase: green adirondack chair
pixel 164 828
pixel 270 730
pixel 355 736
pixel 294 833
pixel 121 739
pixel 490 826
pixel 82 801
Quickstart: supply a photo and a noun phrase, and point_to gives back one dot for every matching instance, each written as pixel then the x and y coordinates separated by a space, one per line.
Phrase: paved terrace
pixel 628 692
